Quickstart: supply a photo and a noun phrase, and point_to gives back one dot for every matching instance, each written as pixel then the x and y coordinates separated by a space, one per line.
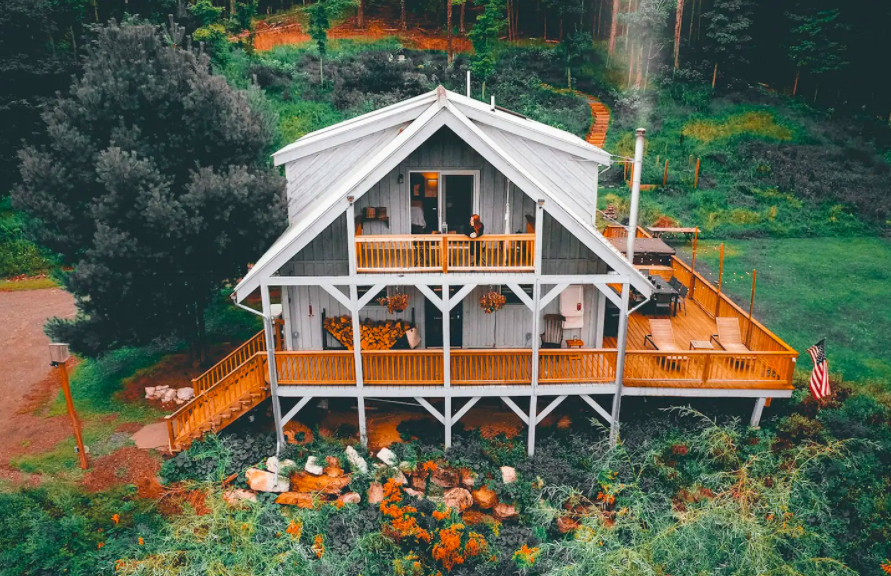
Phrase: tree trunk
pixel 321 72
pixel 402 22
pixel 360 14
pixel 795 86
pixel 231 8
pixel 613 26
pixel 631 66
pixel 816 90
pixel 639 81
pixel 96 10
pixel 449 29
pixel 561 27
pixel 647 71
pixel 679 21
pixel 545 27
pixel 463 6
pixel 715 76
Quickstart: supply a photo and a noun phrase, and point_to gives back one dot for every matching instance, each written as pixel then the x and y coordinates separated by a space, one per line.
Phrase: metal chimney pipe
pixel 635 193
pixel 468 83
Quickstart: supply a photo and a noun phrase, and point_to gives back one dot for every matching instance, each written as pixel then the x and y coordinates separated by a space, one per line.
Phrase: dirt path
pixel 26 380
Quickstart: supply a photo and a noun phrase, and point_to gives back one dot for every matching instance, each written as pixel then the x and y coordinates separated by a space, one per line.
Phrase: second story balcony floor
pixel 406 253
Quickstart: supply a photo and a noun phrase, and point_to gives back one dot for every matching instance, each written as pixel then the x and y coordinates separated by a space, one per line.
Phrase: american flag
pixel 820 376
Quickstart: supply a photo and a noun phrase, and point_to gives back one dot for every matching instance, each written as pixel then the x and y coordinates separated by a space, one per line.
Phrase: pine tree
pixel 154 186
pixel 728 27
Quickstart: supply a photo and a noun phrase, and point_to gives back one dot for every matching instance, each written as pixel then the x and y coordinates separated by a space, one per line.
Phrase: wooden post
pixel 75 422
pixel 536 355
pixel 696 177
pixel 720 280
pixel 751 307
pixel 665 175
pixel 269 327
pixel 715 76
pixel 621 345
pixel 693 263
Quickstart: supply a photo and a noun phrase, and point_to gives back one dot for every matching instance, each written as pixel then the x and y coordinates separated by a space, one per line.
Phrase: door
pixel 433 322
pixel 457 201
pixel 424 202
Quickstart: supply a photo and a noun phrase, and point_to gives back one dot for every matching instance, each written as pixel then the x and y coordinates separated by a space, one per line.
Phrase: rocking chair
pixel 552 337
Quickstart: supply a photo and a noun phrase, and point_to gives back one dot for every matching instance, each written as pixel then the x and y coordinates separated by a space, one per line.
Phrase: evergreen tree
pixel 815 46
pixel 319 23
pixel 154 186
pixel 484 37
pixel 728 27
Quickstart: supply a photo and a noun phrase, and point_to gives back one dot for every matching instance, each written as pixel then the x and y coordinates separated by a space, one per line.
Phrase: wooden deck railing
pixel 708 369
pixel 402 367
pixel 199 414
pixel 491 367
pixel 576 366
pixel 441 253
pixel 328 367
pixel 236 358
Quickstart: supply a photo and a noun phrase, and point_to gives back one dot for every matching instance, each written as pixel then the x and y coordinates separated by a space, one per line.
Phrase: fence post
pixel 665 175
pixel 696 177
pixel 706 368
pixel 720 281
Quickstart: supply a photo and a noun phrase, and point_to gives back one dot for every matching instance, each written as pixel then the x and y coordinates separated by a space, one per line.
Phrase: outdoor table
pixel 701 345
pixel 647 251
pixel 662 290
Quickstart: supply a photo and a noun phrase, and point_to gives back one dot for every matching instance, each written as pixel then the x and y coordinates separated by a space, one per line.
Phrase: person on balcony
pixel 476 227
pixel 418 222
pixel 475 232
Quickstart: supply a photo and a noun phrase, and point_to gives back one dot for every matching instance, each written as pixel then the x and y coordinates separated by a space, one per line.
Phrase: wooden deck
pixel 399 253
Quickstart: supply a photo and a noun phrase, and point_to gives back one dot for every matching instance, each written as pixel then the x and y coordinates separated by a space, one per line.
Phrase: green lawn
pixel 837 288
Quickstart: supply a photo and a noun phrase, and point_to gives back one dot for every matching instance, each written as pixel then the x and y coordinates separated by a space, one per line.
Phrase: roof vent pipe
pixel 493 102
pixel 635 192
pixel 468 83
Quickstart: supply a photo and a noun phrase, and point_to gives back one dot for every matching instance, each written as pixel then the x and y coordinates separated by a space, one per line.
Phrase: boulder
pixel 299 499
pixel 312 467
pixel 413 493
pixel 445 477
pixel 387 457
pixel 332 467
pixel 485 498
pixel 468 478
pixel 505 512
pixel 162 387
pixel 168 395
pixel 508 474
pixel 566 524
pixel 357 463
pixel 458 498
pixel 400 478
pixel 149 391
pixel 264 481
pixel 185 393
pixel 277 466
pixel 302 481
pixel 375 493
pixel 418 481
pixel 238 496
pixel 350 498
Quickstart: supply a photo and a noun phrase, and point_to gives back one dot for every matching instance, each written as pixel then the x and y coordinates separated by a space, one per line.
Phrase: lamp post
pixel 59 359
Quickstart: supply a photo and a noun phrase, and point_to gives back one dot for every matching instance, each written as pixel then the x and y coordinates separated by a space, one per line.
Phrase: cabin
pixel 380 288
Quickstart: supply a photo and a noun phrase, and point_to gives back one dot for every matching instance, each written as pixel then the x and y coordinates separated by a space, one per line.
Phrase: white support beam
pixel 553 293
pixel 337 294
pixel 536 334
pixel 755 421
pixel 533 423
pixel 539 226
pixel 430 408
pixel 549 408
pixel 465 409
pixel 446 338
pixel 609 293
pixel 431 296
pixel 435 279
pixel 372 292
pixel 269 328
pixel 357 362
pixel 297 408
pixel 351 236
pixel 521 294
pixel 513 406
pixel 598 408
pixel 448 421
pixel 601 319
pixel 460 294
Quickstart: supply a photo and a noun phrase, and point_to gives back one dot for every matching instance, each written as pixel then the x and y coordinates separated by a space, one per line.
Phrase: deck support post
pixel 533 421
pixel 536 346
pixel 269 328
pixel 755 421
pixel 447 362
pixel 447 415
pixel 357 327
pixel 620 365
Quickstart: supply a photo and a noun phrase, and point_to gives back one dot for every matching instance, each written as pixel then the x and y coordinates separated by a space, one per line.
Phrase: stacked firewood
pixel 381 335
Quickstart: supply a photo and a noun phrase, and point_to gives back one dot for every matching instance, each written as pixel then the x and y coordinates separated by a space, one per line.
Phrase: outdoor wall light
pixel 401 179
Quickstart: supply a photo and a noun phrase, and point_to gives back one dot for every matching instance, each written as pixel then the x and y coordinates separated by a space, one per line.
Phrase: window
pixel 512 298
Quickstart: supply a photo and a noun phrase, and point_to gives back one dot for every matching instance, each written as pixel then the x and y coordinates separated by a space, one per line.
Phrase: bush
pixel 214 458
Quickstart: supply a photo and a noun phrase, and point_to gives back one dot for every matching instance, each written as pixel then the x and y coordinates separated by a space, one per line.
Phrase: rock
pixel 299 499
pixel 263 481
pixel 350 498
pixel 332 467
pixel 505 512
pixel 375 493
pixel 185 393
pixel 302 481
pixel 162 387
pixel 418 481
pixel 238 496
pixel 400 478
pixel 149 391
pixel 445 477
pixel 566 524
pixel 458 498
pixel 468 478
pixel 414 493
pixel 312 467
pixel 179 402
pixel 279 467
pixel 472 517
pixel 168 396
pixel 485 497
pixel 508 474
pixel 357 463
pixel 387 456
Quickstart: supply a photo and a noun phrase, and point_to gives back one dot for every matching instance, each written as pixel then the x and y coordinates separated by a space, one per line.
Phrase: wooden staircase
pixel 599 122
pixel 231 388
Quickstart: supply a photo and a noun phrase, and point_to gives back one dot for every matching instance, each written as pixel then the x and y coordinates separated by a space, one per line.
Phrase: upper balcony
pixel 407 253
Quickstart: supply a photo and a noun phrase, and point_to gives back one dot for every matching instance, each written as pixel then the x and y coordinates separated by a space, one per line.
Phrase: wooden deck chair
pixel 661 336
pixel 729 337
pixel 552 337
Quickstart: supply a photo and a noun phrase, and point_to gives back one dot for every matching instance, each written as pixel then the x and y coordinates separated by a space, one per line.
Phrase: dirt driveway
pixel 26 380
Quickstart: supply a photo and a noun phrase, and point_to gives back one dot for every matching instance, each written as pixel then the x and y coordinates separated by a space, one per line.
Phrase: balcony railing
pixel 444 253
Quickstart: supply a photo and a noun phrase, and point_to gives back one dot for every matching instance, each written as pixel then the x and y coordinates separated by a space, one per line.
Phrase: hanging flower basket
pixel 492 302
pixel 394 303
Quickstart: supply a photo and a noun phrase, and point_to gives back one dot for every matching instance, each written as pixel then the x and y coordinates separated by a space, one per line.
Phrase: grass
pixel 27 284
pixel 812 288
pixel 62 462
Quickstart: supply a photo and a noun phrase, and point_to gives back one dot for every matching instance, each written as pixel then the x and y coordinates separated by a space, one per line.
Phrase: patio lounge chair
pixel 661 336
pixel 729 337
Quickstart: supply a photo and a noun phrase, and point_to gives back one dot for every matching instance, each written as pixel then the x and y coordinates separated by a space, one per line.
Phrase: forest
pixel 145 205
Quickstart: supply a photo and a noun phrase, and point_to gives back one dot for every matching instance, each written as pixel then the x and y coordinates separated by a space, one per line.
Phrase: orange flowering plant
pixel 456 545
pixel 525 557
pixel 402 519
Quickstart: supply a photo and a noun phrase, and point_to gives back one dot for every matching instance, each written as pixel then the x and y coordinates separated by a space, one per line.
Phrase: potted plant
pixel 394 303
pixel 492 302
